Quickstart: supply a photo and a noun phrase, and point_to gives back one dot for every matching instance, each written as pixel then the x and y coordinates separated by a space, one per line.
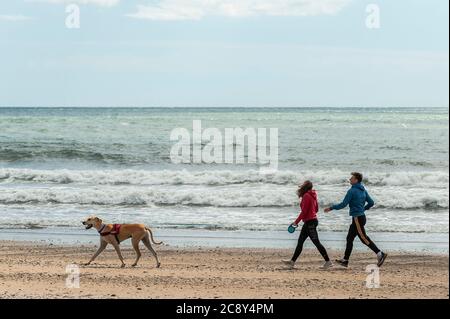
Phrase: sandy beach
pixel 30 270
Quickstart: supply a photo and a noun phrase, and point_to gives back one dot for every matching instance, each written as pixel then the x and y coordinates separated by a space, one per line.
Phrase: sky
pixel 225 53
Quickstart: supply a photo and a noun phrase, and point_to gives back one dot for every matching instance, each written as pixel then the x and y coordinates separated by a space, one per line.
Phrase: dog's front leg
pixel 117 248
pixel 102 247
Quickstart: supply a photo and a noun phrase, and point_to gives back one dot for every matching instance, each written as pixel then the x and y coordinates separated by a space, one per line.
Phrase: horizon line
pixel 225 107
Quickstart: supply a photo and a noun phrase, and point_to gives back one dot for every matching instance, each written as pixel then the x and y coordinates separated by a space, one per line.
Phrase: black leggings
pixel 309 229
pixel 357 229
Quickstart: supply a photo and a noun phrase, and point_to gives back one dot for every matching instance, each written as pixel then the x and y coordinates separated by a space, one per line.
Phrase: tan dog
pixel 108 235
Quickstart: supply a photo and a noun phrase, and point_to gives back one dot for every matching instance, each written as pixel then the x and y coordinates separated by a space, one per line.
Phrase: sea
pixel 61 165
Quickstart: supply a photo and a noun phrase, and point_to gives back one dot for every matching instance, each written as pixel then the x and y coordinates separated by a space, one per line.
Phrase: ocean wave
pixel 400 163
pixel 237 197
pixel 126 153
pixel 218 177
pixel 68 152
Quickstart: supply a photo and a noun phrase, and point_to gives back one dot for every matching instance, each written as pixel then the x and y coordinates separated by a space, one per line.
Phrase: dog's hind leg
pixel 135 242
pixel 147 244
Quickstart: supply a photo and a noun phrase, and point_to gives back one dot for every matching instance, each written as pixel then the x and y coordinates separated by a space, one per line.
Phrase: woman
pixel 309 209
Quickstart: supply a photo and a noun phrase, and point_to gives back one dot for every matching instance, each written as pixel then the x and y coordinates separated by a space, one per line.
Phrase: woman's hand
pixel 328 209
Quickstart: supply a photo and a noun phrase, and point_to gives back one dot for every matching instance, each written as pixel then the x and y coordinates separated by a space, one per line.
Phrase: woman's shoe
pixel 289 263
pixel 327 265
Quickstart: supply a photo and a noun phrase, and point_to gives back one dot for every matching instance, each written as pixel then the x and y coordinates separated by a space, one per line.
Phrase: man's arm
pixel 370 202
pixel 345 202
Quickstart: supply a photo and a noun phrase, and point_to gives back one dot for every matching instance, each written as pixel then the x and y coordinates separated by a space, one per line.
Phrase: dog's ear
pixel 98 220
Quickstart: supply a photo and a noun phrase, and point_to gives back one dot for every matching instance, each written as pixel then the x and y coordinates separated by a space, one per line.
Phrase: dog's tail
pixel 151 237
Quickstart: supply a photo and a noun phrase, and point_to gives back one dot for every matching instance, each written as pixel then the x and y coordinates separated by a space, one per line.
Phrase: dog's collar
pixel 101 229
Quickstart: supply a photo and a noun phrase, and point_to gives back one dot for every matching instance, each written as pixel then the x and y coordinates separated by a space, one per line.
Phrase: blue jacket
pixel 356 197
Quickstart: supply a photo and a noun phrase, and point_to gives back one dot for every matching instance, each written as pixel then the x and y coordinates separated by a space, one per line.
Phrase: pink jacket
pixel 309 207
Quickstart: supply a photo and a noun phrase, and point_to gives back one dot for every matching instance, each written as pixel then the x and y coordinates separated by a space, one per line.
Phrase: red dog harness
pixel 114 231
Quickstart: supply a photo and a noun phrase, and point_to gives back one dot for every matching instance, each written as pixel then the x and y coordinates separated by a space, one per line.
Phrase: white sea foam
pixel 236 196
pixel 218 177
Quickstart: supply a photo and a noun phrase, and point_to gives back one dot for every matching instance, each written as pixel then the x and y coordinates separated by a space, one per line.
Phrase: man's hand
pixel 327 210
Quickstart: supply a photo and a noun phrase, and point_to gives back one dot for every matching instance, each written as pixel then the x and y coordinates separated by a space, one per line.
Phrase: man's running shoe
pixel 381 259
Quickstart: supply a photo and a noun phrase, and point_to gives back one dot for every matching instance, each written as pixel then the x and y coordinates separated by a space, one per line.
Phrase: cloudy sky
pixel 224 53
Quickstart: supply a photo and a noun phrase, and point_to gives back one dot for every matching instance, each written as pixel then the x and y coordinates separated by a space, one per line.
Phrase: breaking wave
pixel 216 197
pixel 217 178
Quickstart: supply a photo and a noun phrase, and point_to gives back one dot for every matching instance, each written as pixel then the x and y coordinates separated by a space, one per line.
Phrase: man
pixel 356 198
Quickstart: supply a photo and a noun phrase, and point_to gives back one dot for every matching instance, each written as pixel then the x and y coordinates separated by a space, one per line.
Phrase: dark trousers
pixel 357 229
pixel 309 229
